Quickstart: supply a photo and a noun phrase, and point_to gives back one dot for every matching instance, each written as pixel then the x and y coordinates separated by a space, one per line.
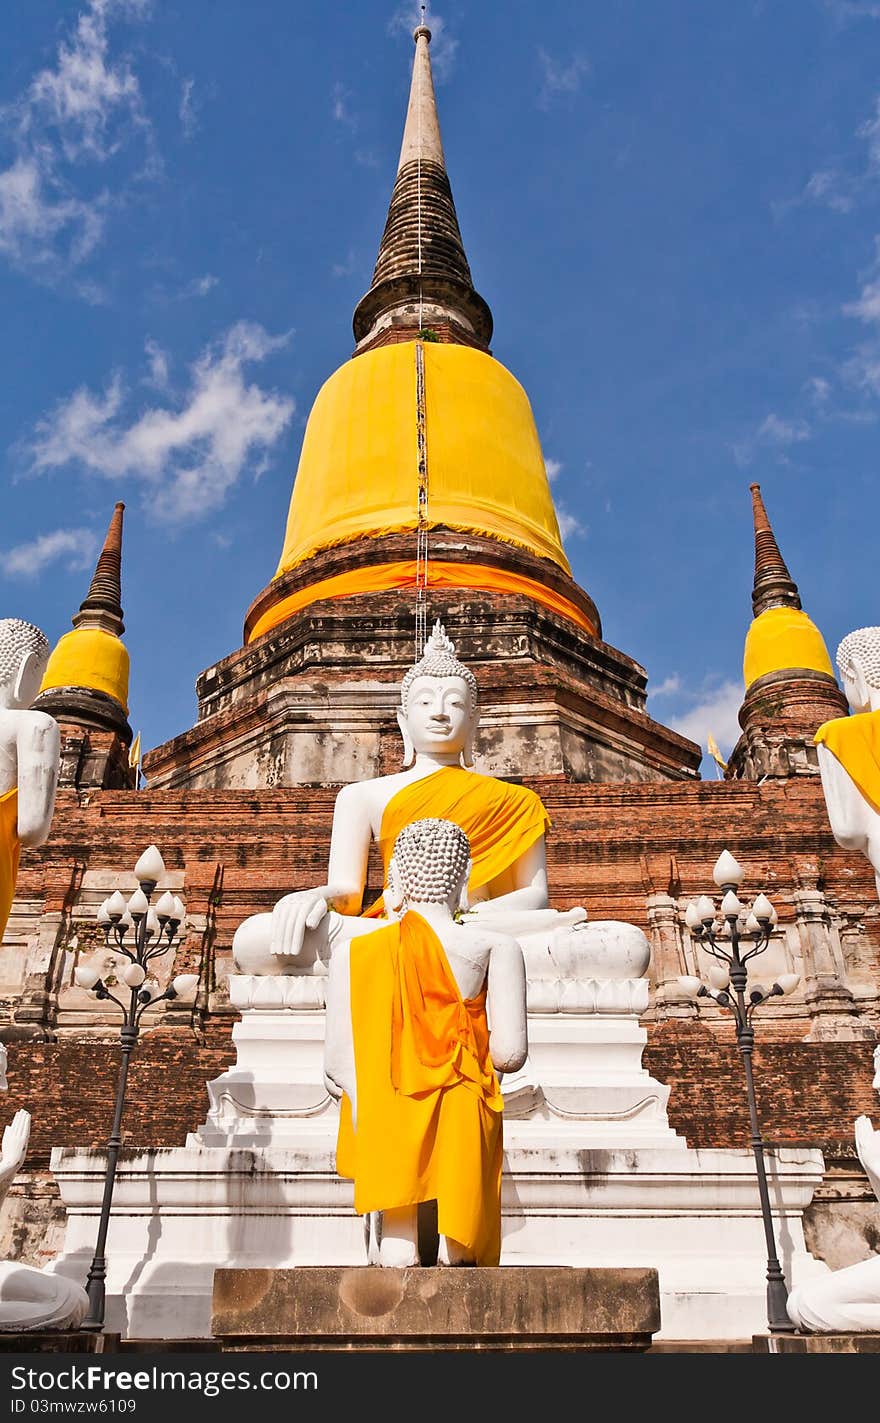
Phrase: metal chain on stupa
pixel 421 423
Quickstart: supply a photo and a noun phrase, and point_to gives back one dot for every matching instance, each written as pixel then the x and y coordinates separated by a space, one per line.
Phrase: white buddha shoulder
pixel 849 750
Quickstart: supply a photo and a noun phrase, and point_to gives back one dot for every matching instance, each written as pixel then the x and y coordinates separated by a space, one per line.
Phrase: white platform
pixel 594 1175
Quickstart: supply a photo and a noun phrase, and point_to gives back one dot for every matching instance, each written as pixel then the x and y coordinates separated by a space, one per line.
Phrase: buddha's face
pixel 438 715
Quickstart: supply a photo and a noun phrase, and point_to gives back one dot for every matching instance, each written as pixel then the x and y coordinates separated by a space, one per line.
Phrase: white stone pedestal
pixel 593 1175
pixel 694 1215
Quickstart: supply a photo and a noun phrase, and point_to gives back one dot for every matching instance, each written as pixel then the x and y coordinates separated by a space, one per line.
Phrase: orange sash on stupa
pixel 428 1101
pixel 855 741
pixel 9 849
pixel 501 820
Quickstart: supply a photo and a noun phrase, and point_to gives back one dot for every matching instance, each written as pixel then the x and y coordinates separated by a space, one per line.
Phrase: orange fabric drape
pixel 501 820
pixel 428 1101
pixel 9 850
pixel 380 576
pixel 855 741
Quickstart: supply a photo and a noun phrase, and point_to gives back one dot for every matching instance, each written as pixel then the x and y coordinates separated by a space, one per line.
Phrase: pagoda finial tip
pixel 422 28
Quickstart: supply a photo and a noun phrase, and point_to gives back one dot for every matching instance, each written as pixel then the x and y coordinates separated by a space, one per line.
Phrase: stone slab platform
pixel 58 1341
pixel 817 1343
pixel 510 1308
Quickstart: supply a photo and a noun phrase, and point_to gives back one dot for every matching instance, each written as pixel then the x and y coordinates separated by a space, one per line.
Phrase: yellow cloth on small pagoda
pixel 855 741
pixel 9 850
pixel 783 638
pixel 501 820
pixel 90 657
pixel 428 1101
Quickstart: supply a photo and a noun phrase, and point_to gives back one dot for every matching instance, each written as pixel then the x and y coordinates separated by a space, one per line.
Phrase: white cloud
pixel 77 546
pixel 867 308
pixel 668 686
pixel 715 711
pixel 831 189
pixel 559 77
pixel 775 431
pixel 340 107
pixel 37 214
pixel 80 110
pixel 157 359
pixel 85 91
pixel 443 47
pixel 569 526
pixel 200 286
pixel 188 109
pixel 844 10
pixel 346 268
pixel 554 468
pixel 819 390
pixel 190 452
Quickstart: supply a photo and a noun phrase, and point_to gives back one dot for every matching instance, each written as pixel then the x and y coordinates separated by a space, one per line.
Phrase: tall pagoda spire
pixel 774 586
pixel 102 605
pixel 422 279
pixel 85 686
pixel 789 680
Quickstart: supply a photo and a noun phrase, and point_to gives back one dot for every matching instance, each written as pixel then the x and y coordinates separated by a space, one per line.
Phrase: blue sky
pixel 672 207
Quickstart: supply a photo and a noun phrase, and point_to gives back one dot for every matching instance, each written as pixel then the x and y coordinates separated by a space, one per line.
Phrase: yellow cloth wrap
pixel 358 470
pixel 9 849
pixel 428 1102
pixel 783 638
pixel 90 657
pixel 855 741
pixel 501 821
pixel 381 576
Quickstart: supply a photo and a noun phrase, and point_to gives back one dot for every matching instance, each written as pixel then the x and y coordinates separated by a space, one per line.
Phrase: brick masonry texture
pixel 610 848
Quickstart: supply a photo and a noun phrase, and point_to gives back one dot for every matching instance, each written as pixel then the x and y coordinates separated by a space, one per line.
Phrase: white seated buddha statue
pixel 29 751
pixel 849 749
pixel 31 1299
pixel 847 1301
pixel 505 825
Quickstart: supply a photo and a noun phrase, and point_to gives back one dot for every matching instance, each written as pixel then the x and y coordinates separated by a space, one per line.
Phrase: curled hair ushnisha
pixel 439 660
pixel 863 643
pixel 17 639
pixel 431 856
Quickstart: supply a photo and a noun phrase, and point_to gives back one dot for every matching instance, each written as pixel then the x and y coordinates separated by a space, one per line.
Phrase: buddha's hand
pixel 292 916
pixel 867 1144
pixel 15 1143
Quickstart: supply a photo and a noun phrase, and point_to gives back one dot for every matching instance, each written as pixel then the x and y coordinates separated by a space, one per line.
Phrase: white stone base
pixel 694 1215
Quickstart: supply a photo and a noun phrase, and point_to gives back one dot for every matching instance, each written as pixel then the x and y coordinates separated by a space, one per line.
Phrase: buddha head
pixel 24 653
pixel 438 703
pixel 858 661
pixel 431 864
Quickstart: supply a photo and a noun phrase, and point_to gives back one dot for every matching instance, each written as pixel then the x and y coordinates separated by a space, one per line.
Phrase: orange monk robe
pixel 8 853
pixel 501 820
pixel 428 1101
pixel 855 742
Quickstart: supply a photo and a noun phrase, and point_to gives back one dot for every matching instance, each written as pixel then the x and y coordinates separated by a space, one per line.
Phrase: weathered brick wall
pixel 610 847
pixel 808 1092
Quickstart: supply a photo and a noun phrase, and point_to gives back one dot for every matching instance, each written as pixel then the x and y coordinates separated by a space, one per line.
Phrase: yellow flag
pixel 134 755
pixel 715 751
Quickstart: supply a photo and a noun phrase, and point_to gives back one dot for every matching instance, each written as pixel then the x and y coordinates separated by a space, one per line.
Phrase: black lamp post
pixel 745 935
pixel 141 934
